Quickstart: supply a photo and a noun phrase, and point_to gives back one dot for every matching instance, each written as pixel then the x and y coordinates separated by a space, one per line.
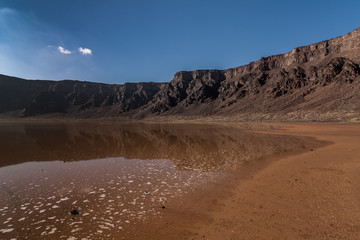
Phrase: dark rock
pixel 74 212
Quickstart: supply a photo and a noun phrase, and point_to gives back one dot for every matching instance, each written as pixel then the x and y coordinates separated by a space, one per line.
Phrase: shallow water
pixel 115 175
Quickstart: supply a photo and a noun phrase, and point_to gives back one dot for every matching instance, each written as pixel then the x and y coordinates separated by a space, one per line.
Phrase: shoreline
pixel 309 195
pixel 49 118
pixel 310 192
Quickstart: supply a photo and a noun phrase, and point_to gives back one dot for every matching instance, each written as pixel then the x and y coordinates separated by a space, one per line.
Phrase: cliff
pixel 315 82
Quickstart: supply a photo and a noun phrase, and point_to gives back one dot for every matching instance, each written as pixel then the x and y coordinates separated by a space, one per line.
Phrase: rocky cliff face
pixel 316 82
pixel 73 98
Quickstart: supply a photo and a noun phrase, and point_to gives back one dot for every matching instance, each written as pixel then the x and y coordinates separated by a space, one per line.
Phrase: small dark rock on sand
pixel 74 212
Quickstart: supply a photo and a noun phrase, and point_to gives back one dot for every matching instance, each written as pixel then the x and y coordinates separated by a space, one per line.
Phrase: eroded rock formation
pixel 315 82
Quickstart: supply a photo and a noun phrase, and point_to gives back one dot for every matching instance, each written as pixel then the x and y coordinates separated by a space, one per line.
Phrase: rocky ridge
pixel 315 82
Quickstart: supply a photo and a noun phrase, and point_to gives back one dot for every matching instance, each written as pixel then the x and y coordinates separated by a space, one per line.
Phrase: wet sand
pixel 122 179
pixel 291 186
pixel 312 195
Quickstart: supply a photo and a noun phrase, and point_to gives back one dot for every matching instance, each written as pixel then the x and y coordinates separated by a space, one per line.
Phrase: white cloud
pixel 32 59
pixel 63 50
pixel 85 51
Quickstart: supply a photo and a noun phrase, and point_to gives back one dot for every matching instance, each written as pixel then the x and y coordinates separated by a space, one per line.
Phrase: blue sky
pixel 133 40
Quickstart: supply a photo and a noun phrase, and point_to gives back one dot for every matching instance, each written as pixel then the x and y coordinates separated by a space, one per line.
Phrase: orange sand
pixel 313 195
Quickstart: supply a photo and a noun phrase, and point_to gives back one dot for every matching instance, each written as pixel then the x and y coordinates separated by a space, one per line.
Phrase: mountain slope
pixel 315 82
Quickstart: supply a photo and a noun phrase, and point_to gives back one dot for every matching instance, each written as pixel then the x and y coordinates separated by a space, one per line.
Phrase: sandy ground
pixel 312 195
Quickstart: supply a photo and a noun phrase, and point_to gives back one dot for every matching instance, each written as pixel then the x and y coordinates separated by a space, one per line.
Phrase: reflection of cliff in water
pixel 189 146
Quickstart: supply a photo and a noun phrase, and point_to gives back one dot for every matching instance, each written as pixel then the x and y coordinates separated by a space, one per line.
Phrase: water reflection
pixel 189 146
pixel 114 175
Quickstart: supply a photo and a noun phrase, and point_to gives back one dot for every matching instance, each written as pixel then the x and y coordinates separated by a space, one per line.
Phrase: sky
pixel 118 41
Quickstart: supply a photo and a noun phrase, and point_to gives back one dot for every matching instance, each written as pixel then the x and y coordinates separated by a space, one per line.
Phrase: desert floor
pixel 311 195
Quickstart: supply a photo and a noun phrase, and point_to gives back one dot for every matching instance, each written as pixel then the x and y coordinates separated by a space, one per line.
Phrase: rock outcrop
pixel 315 82
pixel 73 98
